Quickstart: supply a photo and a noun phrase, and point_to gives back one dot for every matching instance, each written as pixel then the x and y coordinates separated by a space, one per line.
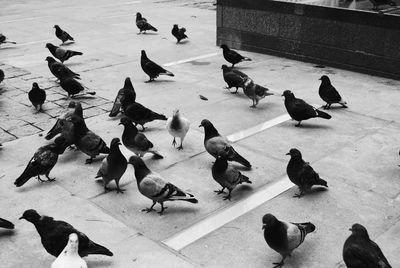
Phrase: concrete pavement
pixel 356 151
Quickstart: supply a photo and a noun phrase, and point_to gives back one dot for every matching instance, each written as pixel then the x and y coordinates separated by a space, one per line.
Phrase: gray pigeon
pixel 143 25
pixel 255 92
pixel 126 95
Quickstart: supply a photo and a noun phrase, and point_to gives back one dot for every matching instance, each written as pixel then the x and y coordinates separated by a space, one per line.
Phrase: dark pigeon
pixel 3 40
pixel 255 92
pixel 127 95
pixel 359 251
pixel 6 224
pixel 232 56
pixel 284 237
pixel 62 54
pixel 299 110
pixel 143 25
pixel 54 235
pixel 62 35
pixel 152 69
pixel 58 69
pixel 1 76
pixel 71 85
pixel 217 145
pixel 329 94
pixel 378 3
pixel 37 96
pixel 233 78
pixel 178 33
pixel 301 173
pixel 141 115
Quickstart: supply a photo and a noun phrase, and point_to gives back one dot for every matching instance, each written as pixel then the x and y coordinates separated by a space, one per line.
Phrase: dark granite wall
pixel 350 39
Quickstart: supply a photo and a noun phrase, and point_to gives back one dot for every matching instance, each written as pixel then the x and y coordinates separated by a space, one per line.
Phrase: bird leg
pixel 180 146
pixel 298 125
pixel 228 196
pixel 162 209
pixel 119 190
pixel 254 105
pixel 299 195
pixel 220 191
pixel 39 179
pixel 89 160
pixel 150 208
pixel 48 178
pixel 279 264
pixel 174 142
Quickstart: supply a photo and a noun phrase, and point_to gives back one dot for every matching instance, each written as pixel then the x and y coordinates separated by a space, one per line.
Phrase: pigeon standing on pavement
pixel 284 237
pixel 113 166
pixel 3 40
pixel 178 127
pixel 152 69
pixel 329 94
pixel 86 140
pixel 359 251
pixel 58 68
pixel 62 54
pixel 123 93
pixel 154 187
pixel 301 173
pixel 142 115
pixel 143 25
pixel 55 234
pixel 72 86
pixel 255 92
pixel 69 257
pixel 232 56
pixel 37 96
pixel 135 141
pixel 42 162
pixel 1 76
pixel 6 224
pixel 179 33
pixel 233 78
pixel 217 145
pixel 227 176
pixel 62 35
pixel 378 3
pixel 299 110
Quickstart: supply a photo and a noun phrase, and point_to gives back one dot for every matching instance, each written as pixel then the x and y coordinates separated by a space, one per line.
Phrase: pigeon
pixel 300 110
pixel 152 69
pixel 6 224
pixel 217 145
pixel 143 25
pixel 233 78
pixel 227 176
pixel 113 166
pixel 58 68
pixel 154 187
pixel 301 173
pixel 55 235
pixel 255 92
pixel 62 54
pixel 329 94
pixel 37 96
pixel 72 86
pixel 232 56
pixel 42 162
pixel 178 33
pixel 69 257
pixel 3 40
pixel 378 3
pixel 62 35
pixel 284 237
pixel 1 76
pixel 86 140
pixel 130 98
pixel 142 115
pixel 135 141
pixel 127 99
pixel 359 251
pixel 178 127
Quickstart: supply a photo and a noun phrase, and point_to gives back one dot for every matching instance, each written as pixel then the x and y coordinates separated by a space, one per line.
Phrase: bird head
pixel 35 85
pixel 50 59
pixel 294 153
pixel 225 68
pixel 125 121
pixel 48 45
pixel 128 83
pixel 56 26
pixel 143 53
pixel 175 112
pixel 224 47
pixel 72 104
pixel 115 142
pixel 175 26
pixel 325 79
pixel 359 230
pixel 30 215
pixel 205 123
pixel 73 243
pixel 288 94
pixel 268 220
pixel 136 161
pixel 138 15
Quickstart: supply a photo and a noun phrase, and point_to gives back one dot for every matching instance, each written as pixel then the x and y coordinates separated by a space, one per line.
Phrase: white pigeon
pixel 177 126
pixel 69 257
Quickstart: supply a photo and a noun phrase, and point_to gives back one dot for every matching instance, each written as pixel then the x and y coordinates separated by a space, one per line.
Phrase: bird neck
pixel 141 172
pixel 175 123
pixel 296 161
pixel 220 165
pixel 130 130
pixel 210 132
pixel 80 128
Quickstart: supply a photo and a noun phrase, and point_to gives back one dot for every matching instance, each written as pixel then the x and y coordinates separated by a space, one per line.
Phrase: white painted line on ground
pixel 24 19
pixel 220 218
pixel 191 59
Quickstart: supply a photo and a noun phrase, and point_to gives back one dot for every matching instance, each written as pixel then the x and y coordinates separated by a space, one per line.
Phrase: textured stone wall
pixel 357 40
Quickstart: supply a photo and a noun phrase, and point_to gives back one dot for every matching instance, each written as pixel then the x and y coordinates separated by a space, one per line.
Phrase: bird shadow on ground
pixel 8 47
pixel 336 107
pixel 159 81
pixel 183 42
pixel 33 184
pixel 313 126
pixel 80 97
pixel 149 33
pixel 176 210
pixel 67 44
pixel 4 233
pixel 99 263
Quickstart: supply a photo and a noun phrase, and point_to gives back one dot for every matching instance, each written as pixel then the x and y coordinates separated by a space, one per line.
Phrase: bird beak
pixel 22 217
pixel 350 230
pixel 288 154
pixel 282 95
pixel 319 79
pixel 200 125
pixel 263 227
pixel 119 123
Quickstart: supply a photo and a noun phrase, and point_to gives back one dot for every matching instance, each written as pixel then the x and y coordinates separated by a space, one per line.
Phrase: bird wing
pixel 243 75
pixel 302 107
pixel 355 255
pixel 233 54
pixel 103 171
pixel 142 142
pixel 60 53
pixel 152 185
pixel 307 174
pixel 294 235
pixel 153 67
pixel 231 177
pixel 216 145
pixel 90 143
pixel 333 94
pixel 117 103
pixel 233 79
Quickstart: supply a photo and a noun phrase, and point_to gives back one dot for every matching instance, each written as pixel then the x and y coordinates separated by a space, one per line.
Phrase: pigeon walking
pixel 58 69
pixel 6 224
pixel 135 141
pixel 3 40
pixel 129 95
pixel 154 187
pixel 299 110
pixel 113 166
pixel 255 92
pixel 232 56
pixel 178 127
pixel 37 96
pixel 227 176
pixel 284 237
pixel 55 234
pixel 1 76
pixel 233 78
pixel 143 25
pixel 329 94
pixel 178 33
pixel 42 162
pixel 142 115
pixel 152 69
pixel 62 35
pixel 359 251
pixel 72 86
pixel 217 145
pixel 62 54
pixel 69 257
pixel 301 173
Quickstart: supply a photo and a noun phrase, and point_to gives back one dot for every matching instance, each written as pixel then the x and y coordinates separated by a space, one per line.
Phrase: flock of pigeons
pixel 63 241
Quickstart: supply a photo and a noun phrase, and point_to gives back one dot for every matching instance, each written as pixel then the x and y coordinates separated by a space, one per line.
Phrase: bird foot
pixel 89 161
pixel 120 191
pixel 278 264
pixel 180 147
pixel 219 191
pixel 253 106
pixel 298 195
pixel 173 142
pixel 162 211
pixel 50 179
pixel 148 210
pixel 298 125
pixel 106 189
pixel 227 197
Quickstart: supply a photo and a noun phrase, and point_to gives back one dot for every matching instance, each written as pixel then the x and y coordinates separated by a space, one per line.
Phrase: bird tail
pixel 88 91
pixel 322 182
pixel 74 53
pixel 240 159
pixel 167 73
pixel 25 176
pixel 157 116
pixel 53 131
pixel 305 227
pixel 323 115
pixel 156 154
pixel 244 178
pixel 11 42
pixel 115 109
pixel 97 249
pixel 6 224
pixel 343 103
pixel 182 196
pixel 153 28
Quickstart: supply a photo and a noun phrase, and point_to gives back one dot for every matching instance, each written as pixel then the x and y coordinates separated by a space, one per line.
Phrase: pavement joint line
pixel 24 19
pixel 211 223
pixel 34 42
pixel 191 59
